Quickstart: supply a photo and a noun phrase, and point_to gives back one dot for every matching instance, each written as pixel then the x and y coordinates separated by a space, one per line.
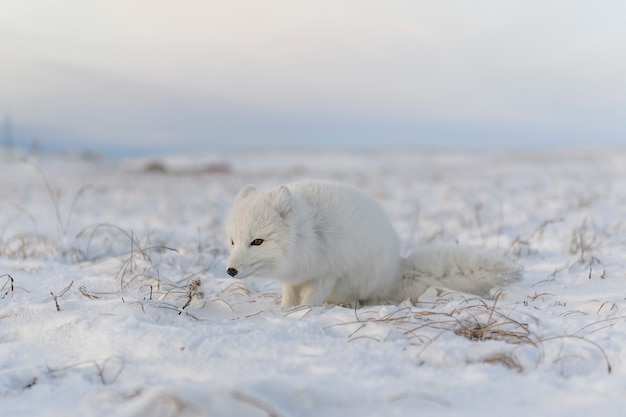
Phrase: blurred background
pixel 128 77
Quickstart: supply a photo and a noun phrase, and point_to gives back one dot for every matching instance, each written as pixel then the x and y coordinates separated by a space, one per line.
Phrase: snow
pixel 119 246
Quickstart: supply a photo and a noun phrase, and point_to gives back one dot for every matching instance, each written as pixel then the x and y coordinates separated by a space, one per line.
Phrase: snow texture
pixel 114 299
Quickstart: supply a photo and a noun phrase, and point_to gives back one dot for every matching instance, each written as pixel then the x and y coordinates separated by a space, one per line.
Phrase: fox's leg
pixel 291 295
pixel 314 292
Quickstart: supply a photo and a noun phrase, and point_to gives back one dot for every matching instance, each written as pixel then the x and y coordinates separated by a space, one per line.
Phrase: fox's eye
pixel 256 242
pixel 232 243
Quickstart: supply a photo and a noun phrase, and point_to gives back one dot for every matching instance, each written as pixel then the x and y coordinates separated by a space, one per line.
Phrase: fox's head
pixel 260 232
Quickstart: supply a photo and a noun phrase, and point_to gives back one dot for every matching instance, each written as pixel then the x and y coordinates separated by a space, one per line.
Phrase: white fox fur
pixel 331 243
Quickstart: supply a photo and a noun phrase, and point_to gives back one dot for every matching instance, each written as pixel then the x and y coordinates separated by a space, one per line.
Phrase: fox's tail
pixel 456 268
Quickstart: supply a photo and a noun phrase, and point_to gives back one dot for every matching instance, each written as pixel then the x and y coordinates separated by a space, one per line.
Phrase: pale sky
pixel 191 75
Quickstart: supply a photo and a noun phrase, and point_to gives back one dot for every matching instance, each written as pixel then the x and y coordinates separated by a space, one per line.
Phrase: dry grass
pixel 26 246
pixel 63 219
pixel 480 321
pixel 473 319
pixel 170 404
pixel 506 359
pixel 107 370
pixel 8 287
pixel 523 245
pixel 266 408
pixel 140 270
pixel 60 294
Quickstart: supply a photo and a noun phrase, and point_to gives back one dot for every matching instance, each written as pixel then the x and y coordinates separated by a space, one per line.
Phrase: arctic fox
pixel 332 243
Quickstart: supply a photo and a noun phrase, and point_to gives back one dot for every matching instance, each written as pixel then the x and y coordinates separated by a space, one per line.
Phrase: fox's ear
pixel 282 201
pixel 245 191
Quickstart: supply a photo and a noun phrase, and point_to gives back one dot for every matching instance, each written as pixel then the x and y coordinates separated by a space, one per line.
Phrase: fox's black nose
pixel 231 271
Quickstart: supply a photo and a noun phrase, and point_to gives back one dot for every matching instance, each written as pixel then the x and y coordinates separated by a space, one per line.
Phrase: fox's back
pixel 354 237
pixel 344 208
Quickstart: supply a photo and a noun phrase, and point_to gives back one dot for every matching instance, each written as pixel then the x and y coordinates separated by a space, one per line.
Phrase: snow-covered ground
pixel 114 300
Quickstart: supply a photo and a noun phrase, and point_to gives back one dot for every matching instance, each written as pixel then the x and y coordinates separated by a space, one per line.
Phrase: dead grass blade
pixel 108 370
pixel 506 359
pixel 8 287
pixel 600 349
pixel 300 311
pixel 256 403
pixel 56 297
